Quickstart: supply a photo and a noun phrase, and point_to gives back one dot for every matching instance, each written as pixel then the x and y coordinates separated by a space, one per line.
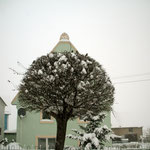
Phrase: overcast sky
pixel 114 32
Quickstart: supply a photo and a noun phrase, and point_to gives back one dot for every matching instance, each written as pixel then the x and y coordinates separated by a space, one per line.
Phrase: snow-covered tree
pixel 65 86
pixel 94 135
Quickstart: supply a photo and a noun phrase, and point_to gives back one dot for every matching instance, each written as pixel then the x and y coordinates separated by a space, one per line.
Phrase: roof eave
pixel 3 101
pixel 13 102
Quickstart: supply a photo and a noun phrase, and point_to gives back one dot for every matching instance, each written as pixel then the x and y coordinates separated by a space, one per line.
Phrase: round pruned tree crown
pixel 66 84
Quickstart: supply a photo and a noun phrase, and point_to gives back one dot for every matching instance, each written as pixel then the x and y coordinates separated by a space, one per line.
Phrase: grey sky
pixel 114 32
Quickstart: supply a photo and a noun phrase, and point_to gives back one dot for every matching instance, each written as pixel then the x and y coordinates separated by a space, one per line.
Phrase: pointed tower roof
pixel 64 44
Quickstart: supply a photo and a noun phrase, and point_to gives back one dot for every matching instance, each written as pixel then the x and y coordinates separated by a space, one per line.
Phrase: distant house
pixel 9 134
pixel 133 134
pixel 2 110
pixel 36 129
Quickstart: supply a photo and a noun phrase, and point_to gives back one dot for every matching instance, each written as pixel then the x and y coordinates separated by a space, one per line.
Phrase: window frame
pixel 82 121
pixel 43 137
pixel 45 120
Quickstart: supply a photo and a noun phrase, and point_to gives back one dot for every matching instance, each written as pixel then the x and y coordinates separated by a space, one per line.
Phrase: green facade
pixel 30 128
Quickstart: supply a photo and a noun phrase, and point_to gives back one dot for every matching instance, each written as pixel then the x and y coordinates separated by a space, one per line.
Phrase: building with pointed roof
pixel 36 129
pixel 2 111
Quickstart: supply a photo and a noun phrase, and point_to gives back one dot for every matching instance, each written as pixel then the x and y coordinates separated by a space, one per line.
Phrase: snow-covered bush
pixel 71 148
pixel 10 146
pixel 127 145
pixel 94 135
pixel 4 142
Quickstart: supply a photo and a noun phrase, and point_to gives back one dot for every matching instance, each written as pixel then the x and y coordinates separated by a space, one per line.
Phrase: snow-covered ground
pixel 124 146
pixel 131 145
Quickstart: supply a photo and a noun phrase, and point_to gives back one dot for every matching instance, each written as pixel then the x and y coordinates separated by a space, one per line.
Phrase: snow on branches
pixel 94 134
pixel 66 84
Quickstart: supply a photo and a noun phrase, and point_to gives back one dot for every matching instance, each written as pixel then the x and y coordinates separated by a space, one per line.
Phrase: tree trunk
pixel 61 133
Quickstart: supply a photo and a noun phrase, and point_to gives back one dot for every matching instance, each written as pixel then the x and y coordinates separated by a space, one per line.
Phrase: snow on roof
pixel 10 131
pixel 7 112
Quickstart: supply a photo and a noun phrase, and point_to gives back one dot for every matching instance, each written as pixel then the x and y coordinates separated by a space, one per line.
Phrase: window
pixel 6 122
pixel 130 129
pixel 45 117
pixel 42 143
pixel 46 143
pixel 51 143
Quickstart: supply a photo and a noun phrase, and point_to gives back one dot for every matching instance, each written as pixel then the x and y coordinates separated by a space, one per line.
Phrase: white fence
pixel 123 146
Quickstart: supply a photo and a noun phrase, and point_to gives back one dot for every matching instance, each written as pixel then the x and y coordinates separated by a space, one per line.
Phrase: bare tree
pixel 66 85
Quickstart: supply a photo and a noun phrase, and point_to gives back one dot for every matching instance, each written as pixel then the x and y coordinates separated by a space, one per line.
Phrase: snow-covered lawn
pixel 132 145
pixel 124 146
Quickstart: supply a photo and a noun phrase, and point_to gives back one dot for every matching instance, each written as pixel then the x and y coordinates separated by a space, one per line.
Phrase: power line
pixel 133 75
pixel 132 81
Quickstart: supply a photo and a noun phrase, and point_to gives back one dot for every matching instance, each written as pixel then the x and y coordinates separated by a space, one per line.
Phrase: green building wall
pixel 30 128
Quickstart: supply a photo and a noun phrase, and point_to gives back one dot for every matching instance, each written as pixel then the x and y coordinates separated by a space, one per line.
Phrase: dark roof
pixel 3 101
